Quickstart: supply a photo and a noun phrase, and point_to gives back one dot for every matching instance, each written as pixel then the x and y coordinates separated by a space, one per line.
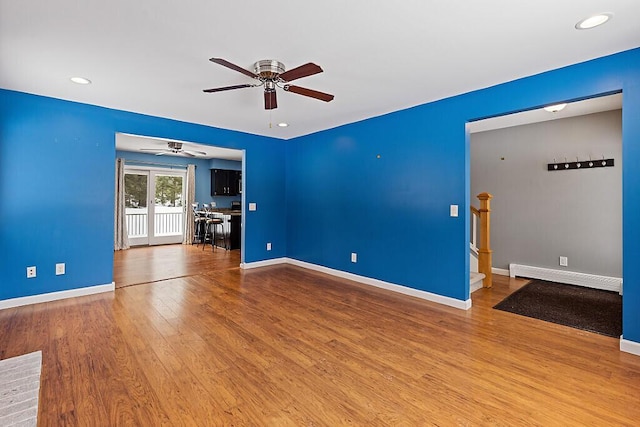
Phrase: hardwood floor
pixel 152 263
pixel 283 346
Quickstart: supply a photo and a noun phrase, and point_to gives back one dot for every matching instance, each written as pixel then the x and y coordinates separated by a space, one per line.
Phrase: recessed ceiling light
pixel 283 124
pixel 593 21
pixel 555 108
pixel 80 80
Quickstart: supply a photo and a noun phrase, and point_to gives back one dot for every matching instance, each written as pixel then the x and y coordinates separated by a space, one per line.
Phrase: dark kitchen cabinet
pixel 226 182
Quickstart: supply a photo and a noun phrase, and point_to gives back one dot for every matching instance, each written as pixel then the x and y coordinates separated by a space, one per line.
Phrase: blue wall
pixel 57 189
pixel 320 197
pixel 394 210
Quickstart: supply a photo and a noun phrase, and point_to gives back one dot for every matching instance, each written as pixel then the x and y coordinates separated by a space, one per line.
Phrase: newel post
pixel 484 250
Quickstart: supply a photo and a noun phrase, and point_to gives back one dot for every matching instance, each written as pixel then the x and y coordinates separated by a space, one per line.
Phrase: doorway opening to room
pixel 168 186
pixel 560 225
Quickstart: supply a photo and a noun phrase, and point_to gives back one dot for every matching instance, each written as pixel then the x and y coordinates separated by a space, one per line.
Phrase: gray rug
pixel 592 310
pixel 19 390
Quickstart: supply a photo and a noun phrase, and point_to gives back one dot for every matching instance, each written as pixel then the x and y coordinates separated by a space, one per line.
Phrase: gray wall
pixel 537 215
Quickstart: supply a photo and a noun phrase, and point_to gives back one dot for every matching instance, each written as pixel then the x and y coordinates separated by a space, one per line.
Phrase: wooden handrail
pixel 484 250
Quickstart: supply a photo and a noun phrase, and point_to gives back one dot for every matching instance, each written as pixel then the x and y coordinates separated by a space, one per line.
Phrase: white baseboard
pixel 256 264
pixel 500 271
pixel 629 346
pixel 440 299
pixel 569 277
pixel 54 296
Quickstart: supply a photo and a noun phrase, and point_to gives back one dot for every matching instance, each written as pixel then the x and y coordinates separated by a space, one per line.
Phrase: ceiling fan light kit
pixel 272 74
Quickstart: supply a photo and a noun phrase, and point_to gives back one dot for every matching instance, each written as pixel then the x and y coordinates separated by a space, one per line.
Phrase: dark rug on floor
pixel 592 310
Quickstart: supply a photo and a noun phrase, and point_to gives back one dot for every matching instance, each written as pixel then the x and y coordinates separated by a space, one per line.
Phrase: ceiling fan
pixel 174 148
pixel 271 74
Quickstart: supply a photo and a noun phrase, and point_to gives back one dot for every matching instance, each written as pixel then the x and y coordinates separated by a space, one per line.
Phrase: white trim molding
pixel 569 277
pixel 629 346
pixel 428 296
pixel 500 271
pixel 54 296
pixel 266 262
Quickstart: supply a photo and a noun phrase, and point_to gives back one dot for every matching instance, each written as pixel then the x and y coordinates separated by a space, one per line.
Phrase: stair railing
pixel 483 216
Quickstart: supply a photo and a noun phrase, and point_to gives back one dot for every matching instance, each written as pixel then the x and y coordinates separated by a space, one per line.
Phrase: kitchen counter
pixel 227 211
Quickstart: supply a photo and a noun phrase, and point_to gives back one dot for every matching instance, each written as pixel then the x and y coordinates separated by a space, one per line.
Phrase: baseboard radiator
pixel 569 277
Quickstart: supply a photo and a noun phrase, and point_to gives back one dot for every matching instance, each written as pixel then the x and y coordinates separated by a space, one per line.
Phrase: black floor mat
pixel 583 308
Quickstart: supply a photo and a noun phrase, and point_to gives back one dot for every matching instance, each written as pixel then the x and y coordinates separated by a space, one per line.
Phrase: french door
pixel 154 202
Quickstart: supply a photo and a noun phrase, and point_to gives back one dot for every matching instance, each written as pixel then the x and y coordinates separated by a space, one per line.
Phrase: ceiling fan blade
pixel 301 71
pixel 186 153
pixel 270 101
pixel 162 153
pixel 220 89
pixel 234 67
pixel 309 92
pixel 194 153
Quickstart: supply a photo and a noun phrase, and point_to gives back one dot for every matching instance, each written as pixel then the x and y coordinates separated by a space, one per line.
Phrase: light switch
pixel 453 209
pixel 253 206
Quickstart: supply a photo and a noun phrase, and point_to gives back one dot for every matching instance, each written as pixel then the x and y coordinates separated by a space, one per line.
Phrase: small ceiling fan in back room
pixel 174 148
pixel 270 74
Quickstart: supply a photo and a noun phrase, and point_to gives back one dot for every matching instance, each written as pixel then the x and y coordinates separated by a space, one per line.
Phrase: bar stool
pixel 211 232
pixel 222 233
pixel 202 222
pixel 198 225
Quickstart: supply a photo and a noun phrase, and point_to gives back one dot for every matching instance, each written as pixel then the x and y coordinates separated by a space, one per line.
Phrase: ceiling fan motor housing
pixel 268 69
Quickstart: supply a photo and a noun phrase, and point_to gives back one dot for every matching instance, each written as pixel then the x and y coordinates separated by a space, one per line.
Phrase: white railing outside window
pixel 168 221
pixel 136 222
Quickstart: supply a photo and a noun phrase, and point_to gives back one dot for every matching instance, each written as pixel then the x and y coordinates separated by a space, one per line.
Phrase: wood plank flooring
pixel 283 346
pixel 152 263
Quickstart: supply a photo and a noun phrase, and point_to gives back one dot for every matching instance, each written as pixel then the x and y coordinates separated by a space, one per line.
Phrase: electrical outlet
pixel 253 207
pixel 354 257
pixel 31 272
pixel 564 261
pixel 453 210
pixel 60 268
pixel 269 246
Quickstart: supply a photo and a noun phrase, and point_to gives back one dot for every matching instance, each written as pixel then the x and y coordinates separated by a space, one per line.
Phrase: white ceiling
pixel 151 56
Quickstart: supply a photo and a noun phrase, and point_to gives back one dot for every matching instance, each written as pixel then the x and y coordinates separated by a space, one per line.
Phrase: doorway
pixel 560 225
pixel 154 206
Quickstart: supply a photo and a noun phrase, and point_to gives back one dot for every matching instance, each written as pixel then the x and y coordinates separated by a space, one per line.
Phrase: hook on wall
pixel 580 164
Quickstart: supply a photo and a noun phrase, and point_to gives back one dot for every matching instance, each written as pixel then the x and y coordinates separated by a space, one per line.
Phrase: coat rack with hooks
pixel 580 164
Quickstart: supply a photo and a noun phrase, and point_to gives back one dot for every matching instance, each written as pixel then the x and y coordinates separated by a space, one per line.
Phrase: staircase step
pixel 475 281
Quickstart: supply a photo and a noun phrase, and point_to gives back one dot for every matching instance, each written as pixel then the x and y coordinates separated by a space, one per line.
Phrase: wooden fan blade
pixel 220 89
pixel 234 67
pixel 301 71
pixel 270 101
pixel 309 92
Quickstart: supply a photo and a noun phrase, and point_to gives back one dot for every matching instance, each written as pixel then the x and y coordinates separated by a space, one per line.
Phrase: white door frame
pixel 152 173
